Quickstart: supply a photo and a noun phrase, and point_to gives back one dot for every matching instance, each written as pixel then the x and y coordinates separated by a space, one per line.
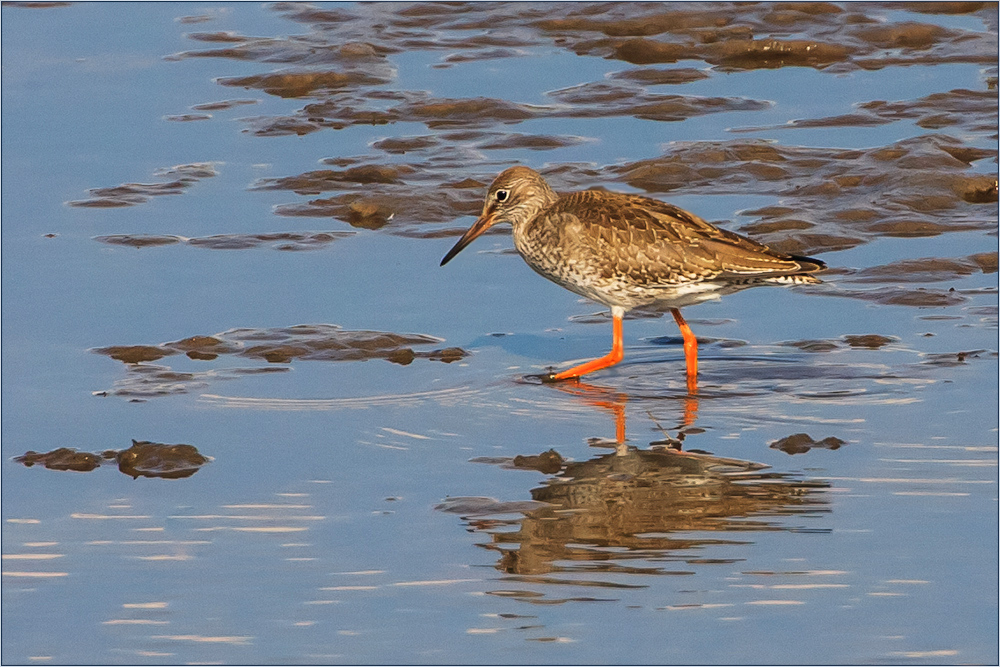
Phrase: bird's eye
pixel 501 195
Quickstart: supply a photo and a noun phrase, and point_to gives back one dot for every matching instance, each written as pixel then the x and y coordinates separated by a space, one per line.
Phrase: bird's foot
pixel 551 376
pixel 537 378
pixel 548 377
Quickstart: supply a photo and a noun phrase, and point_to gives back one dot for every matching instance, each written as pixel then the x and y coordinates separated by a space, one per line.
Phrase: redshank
pixel 628 251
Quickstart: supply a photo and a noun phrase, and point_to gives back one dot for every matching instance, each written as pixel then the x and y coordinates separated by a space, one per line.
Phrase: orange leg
pixel 610 359
pixel 690 351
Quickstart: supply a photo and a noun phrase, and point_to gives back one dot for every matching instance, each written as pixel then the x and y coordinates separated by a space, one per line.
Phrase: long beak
pixel 484 222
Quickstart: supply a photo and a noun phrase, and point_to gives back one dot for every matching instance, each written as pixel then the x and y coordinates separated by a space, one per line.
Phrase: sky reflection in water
pixel 829 495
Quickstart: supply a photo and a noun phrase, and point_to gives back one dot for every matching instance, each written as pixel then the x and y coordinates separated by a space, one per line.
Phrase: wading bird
pixel 628 251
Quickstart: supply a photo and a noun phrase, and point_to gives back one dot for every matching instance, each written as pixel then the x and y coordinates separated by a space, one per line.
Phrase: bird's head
pixel 516 196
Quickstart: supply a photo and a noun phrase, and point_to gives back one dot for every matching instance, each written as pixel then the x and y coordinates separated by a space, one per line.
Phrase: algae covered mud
pixel 222 225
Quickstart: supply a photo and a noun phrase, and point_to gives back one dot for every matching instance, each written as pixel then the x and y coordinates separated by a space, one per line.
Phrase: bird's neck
pixel 542 198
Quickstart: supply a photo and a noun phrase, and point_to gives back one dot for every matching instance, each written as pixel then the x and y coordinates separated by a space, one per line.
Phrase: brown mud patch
pixel 346 56
pixel 313 342
pixel 774 53
pixel 894 295
pixel 396 205
pixel 359 64
pixel 316 342
pixel 63 458
pixel 151 459
pixel 134 354
pixel 195 18
pixel 478 141
pixel 222 105
pixel 34 5
pixel 869 341
pixel 226 36
pixel 591 100
pixel 403 145
pixel 651 76
pixel 303 50
pixel 303 84
pixel 857 341
pixel 188 117
pixel 288 241
pixel 813 345
pixel 533 142
pixel 608 99
pixel 130 194
pixel 142 459
pixel 323 342
pixel 314 182
pixel 929 269
pixel 143 381
pixel 894 277
pixel 962 110
pixel 800 443
pixel 742 37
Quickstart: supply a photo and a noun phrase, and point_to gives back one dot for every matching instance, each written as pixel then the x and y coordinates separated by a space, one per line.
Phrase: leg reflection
pixel 603 398
pixel 690 409
pixel 614 402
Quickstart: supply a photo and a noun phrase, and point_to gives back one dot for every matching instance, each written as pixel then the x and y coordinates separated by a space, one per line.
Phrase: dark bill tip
pixel 457 248
pixel 477 228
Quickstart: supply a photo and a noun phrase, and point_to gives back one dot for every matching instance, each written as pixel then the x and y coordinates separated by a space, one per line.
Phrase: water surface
pixel 264 426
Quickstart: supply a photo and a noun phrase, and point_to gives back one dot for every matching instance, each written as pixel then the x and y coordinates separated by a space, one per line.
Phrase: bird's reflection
pixel 659 504
pixel 635 503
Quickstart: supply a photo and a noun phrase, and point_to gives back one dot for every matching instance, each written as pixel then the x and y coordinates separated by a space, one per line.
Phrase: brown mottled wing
pixel 656 243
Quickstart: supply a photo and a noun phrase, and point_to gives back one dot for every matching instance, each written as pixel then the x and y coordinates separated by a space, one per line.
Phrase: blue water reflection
pixel 311 536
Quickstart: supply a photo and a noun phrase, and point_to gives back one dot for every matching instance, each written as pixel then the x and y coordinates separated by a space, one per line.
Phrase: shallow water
pixel 206 205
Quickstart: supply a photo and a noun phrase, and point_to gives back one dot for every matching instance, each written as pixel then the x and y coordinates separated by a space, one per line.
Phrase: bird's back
pixel 627 249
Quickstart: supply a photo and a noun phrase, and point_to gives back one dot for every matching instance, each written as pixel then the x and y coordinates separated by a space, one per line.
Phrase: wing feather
pixel 655 243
